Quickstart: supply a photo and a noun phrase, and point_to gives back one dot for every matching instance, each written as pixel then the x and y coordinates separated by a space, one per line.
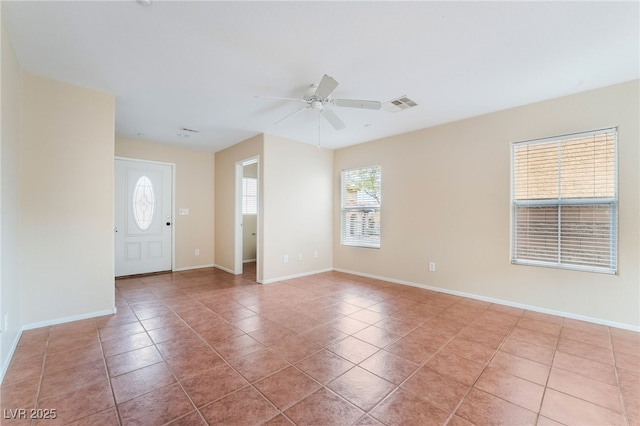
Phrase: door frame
pixel 173 204
pixel 238 243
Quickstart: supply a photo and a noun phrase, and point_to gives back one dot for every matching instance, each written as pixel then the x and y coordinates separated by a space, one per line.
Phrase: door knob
pixel 116 229
pixel 168 223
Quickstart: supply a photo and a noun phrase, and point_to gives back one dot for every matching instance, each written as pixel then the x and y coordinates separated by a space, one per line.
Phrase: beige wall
pixel 66 180
pixel 446 199
pixel 194 174
pixel 10 91
pixel 297 208
pixel 225 199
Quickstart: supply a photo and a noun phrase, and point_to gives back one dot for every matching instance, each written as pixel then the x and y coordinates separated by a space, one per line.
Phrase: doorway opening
pixel 247 255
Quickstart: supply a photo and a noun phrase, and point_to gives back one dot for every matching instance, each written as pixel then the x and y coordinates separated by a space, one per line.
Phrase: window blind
pixel 249 196
pixel 564 200
pixel 361 202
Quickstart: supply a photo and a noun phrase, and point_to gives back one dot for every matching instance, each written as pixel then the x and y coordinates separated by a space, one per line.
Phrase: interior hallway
pixel 207 347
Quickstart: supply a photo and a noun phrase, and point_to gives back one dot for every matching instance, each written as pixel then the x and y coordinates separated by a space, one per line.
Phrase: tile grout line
pixel 115 402
pixel 106 367
pixel 623 404
pixel 546 383
pixel 44 358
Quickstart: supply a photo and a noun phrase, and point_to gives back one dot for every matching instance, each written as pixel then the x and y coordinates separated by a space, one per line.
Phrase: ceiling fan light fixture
pixel 310 93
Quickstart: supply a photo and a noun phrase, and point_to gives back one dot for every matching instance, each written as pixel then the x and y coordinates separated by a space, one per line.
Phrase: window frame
pixel 347 210
pixel 567 202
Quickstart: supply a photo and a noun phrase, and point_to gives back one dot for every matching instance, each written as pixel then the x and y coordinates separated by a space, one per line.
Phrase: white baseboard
pixel 14 345
pixel 289 277
pixel 248 260
pixel 68 319
pixel 189 268
pixel 498 301
pixel 46 324
pixel 231 271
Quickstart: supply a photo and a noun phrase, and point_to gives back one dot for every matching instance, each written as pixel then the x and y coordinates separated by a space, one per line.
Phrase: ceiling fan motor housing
pixel 315 101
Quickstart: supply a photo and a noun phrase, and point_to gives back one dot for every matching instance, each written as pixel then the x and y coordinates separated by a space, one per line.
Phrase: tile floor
pixel 205 347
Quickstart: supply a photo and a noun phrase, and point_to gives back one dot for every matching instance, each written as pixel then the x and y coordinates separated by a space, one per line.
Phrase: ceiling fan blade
pixel 333 119
pixel 326 86
pixel 355 103
pixel 291 114
pixel 279 98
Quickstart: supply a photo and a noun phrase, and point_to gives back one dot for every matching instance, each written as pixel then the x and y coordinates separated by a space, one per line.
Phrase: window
pixel 249 196
pixel 143 203
pixel 361 197
pixel 564 201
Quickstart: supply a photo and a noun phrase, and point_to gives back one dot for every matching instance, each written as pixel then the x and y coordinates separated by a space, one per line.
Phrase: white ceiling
pixel 199 65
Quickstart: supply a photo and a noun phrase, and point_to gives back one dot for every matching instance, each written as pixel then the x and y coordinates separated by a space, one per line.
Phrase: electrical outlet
pixel 315 254
pixel 197 252
pixel 299 256
pixel 285 258
pixel 432 266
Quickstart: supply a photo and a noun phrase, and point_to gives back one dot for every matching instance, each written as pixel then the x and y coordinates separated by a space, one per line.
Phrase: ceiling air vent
pixel 185 132
pixel 399 104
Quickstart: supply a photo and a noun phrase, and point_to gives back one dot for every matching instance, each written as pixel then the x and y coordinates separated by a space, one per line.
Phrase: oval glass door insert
pixel 143 203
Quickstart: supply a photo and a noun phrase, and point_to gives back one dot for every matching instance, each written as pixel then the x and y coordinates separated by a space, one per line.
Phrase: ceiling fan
pixel 318 96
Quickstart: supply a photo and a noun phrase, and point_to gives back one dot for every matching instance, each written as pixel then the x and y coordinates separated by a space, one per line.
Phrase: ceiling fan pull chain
pixel 318 129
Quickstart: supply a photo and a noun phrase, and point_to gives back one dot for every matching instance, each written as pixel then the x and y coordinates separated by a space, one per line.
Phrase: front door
pixel 143 216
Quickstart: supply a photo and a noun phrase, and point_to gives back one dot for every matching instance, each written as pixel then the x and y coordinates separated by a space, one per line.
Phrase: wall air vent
pixel 399 104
